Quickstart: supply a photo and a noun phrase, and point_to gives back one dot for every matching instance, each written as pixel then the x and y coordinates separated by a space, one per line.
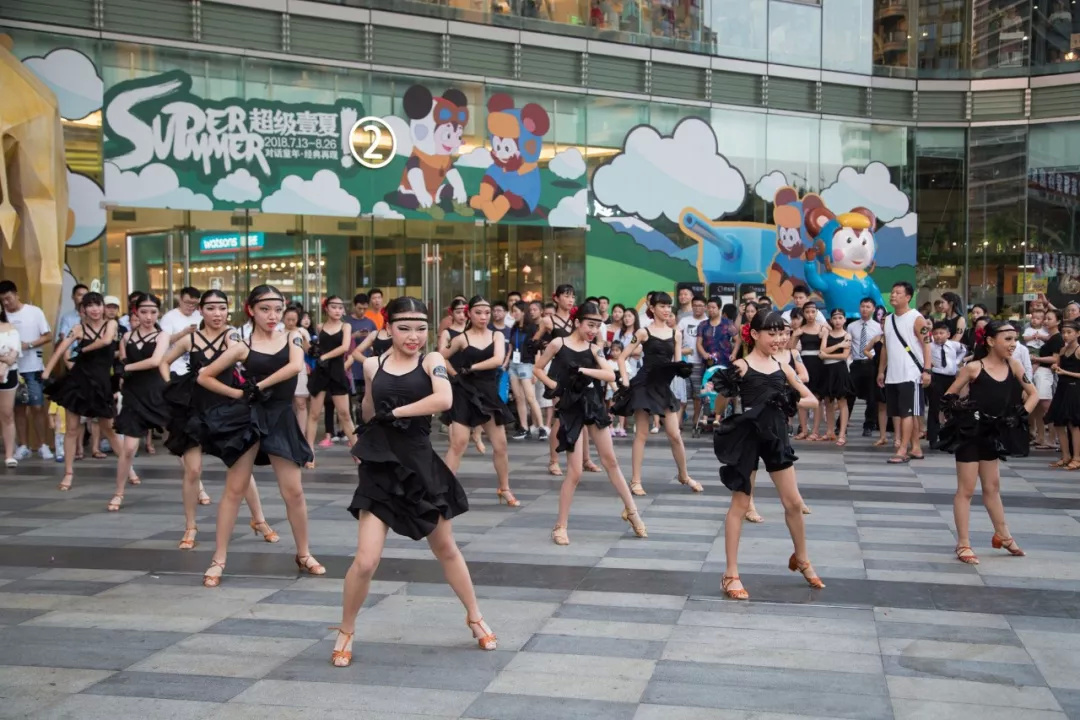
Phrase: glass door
pixel 156 263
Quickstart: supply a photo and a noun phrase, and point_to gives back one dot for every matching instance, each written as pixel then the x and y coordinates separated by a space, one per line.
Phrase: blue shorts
pixel 35 387
pixel 522 371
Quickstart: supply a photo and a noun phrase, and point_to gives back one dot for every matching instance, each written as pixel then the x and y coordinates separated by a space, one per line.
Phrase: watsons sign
pixel 231 242
pixel 159 120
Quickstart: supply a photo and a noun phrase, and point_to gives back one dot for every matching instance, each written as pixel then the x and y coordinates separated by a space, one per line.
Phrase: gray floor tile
pixel 605 647
pixel 986 672
pixel 856 707
pixel 170 686
pixel 944 633
pixel 80 648
pixel 599 612
pixel 269 628
pixel 495 706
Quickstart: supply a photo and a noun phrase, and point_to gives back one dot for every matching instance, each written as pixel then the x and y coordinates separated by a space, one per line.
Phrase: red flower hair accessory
pixel 980 335
pixel 385 315
pixel 746 333
pixel 573 313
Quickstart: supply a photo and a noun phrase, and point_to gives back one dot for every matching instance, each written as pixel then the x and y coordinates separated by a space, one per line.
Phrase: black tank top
pixel 560 328
pixel 996 397
pixel 140 347
pixel 402 390
pixel 810 343
pixel 201 356
pixel 472 355
pixel 457 359
pixel 757 387
pixel 102 359
pixel 328 342
pixel 566 357
pixel 1071 363
pixel 379 346
pixel 656 351
pixel 260 366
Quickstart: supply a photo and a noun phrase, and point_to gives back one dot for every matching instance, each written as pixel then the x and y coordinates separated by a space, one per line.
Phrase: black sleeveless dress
pixel 1065 407
pixel 455 361
pixel 143 406
pixel 187 400
pixel 815 366
pixel 989 424
pixel 403 481
pixel 836 377
pixel 329 375
pixel 379 346
pixel 87 390
pixel 579 398
pixel 759 431
pixel 273 417
pixel 476 393
pixel 650 389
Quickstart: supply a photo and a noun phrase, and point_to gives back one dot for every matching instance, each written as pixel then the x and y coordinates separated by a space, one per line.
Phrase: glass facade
pixel 988 196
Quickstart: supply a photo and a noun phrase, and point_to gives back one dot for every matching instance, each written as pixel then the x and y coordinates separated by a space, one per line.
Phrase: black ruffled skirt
pixel 965 427
pixel 86 392
pixel 329 378
pixel 403 482
pixel 1065 406
pixel 650 390
pixel 815 371
pixel 741 439
pixel 143 407
pixel 476 401
pixel 579 405
pixel 279 433
pixel 836 382
pixel 227 430
pixel 184 423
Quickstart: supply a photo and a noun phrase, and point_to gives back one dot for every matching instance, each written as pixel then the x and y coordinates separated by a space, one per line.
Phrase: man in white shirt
pixel 799 296
pixel 863 361
pixel 34 333
pixel 905 371
pixel 71 318
pixel 945 358
pixel 688 326
pixel 184 318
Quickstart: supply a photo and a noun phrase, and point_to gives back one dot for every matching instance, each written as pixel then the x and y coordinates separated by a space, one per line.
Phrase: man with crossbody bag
pixel 904 371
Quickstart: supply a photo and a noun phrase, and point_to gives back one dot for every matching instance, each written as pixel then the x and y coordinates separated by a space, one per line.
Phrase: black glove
pixel 385 416
pixel 324 364
pixel 253 393
pixel 465 370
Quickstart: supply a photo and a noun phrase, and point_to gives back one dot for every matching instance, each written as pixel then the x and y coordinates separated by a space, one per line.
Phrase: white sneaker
pixel 45 452
pixel 22 452
pixel 11 462
pixel 106 447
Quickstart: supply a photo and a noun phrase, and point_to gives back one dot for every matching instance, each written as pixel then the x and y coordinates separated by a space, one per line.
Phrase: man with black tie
pixel 945 356
pixel 864 364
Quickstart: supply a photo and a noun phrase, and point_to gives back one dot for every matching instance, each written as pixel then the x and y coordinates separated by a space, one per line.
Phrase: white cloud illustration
pixel 569 164
pixel 571 211
pixel 476 158
pixel 73 79
pixel 872 189
pixel 767 186
pixel 383 210
pixel 239 186
pixel 656 175
pixel 154 186
pixel 402 134
pixel 908 223
pixel 84 199
pixel 321 195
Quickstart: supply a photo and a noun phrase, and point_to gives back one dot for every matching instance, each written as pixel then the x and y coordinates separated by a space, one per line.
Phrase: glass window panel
pixel 893 44
pixel 792 147
pixel 848 45
pixel 1053 182
pixel 999 35
pixel 742 28
pixel 843 144
pixel 794 34
pixel 942 39
pixel 1055 25
pixel 941 202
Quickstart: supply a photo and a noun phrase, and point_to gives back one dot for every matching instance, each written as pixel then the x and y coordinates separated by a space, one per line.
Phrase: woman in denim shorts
pixel 522 356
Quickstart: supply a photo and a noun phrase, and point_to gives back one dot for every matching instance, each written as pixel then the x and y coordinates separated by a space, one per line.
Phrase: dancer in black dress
pixel 1064 410
pixel 550 327
pixel 836 384
pixel 479 352
pixel 329 373
pixel 649 392
pixel 86 391
pixel 809 336
pixel 259 426
pixel 765 387
pixel 980 430
pixel 577 380
pixel 142 406
pixel 457 318
pixel 189 404
pixel 404 486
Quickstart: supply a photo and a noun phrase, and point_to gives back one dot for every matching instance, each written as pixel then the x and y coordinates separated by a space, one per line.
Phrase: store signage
pixel 158 119
pixel 231 242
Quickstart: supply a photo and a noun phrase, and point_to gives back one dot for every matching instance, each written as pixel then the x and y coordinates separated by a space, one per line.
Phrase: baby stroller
pixel 703 421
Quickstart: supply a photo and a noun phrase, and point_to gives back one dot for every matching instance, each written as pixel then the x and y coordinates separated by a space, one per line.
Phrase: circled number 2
pixel 367 139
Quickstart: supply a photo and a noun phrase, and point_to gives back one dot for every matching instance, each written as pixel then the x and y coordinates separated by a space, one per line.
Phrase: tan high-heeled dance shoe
pixel 487 639
pixel 795 566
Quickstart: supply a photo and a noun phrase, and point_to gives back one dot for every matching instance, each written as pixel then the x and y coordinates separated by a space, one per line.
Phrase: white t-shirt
pixel 1034 338
pixel 688 326
pixel 901 367
pixel 1022 354
pixel 174 322
pixel 31 324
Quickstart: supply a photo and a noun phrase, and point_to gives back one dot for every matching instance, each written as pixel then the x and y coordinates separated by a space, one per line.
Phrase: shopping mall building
pixel 482 146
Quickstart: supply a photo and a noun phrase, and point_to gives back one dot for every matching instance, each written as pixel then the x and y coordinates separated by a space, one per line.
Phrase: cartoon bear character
pixel 846 245
pixel 430 183
pixel 511 184
pixel 792 239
